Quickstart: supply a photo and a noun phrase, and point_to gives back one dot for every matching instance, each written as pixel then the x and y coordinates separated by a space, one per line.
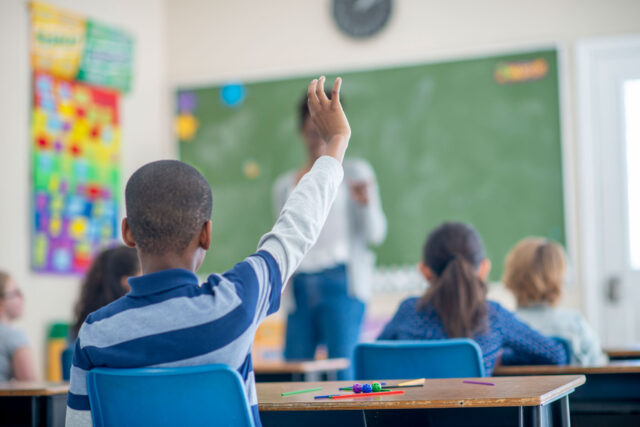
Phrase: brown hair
pixel 535 270
pixel 453 252
pixel 103 285
pixel 4 279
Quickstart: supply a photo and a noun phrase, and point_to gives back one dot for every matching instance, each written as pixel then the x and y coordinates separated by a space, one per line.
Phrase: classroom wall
pixel 146 136
pixel 191 42
pixel 214 41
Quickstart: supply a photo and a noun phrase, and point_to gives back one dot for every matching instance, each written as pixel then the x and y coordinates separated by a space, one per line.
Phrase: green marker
pixel 289 393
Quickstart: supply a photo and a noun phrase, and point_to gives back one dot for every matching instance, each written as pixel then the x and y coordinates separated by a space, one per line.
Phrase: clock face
pixel 361 18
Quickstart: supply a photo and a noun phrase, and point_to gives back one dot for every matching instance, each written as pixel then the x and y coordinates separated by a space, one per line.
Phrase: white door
pixel 609 165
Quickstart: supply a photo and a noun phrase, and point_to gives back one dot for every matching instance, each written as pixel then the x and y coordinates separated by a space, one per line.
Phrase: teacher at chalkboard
pixel 330 287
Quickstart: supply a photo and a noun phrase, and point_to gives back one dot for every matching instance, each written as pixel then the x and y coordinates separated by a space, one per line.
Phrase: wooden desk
pixel 611 395
pixel 36 403
pixel 624 353
pixel 301 370
pixel 615 367
pixel 528 399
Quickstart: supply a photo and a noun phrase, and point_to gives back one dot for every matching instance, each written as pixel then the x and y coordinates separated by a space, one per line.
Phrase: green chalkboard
pixel 476 140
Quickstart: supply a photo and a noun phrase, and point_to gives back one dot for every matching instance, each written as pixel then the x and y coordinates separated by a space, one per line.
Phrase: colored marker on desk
pixel 381 393
pixel 329 396
pixel 404 386
pixel 308 390
pixel 477 382
pixel 388 386
pixel 412 382
pixel 358 385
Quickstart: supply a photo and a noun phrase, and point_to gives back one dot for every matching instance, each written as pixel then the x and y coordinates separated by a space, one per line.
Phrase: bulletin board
pixel 80 69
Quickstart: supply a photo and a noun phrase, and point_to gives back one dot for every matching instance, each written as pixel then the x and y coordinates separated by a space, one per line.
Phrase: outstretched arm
pixel 306 209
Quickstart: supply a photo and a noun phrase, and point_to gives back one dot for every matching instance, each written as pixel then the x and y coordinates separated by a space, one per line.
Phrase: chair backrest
pixel 566 345
pixel 185 396
pixel 451 358
pixel 66 358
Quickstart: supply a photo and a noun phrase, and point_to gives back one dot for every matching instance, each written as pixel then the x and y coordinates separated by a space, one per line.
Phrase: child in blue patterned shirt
pixel 455 304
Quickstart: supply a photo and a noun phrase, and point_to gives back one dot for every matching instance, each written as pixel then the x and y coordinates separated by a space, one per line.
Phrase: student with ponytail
pixel 455 304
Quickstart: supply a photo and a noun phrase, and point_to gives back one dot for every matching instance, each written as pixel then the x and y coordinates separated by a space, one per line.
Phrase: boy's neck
pixel 154 263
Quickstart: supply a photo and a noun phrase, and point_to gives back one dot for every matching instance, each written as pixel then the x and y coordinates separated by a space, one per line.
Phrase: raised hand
pixel 328 116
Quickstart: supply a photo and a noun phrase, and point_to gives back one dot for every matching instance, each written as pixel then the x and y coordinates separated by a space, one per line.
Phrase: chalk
pixel 382 393
pixel 477 382
pixel 289 393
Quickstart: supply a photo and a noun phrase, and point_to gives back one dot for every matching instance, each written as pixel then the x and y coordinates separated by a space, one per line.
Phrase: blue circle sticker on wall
pixel 233 94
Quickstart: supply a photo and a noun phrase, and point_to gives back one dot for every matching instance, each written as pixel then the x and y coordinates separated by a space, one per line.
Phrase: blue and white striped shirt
pixel 169 320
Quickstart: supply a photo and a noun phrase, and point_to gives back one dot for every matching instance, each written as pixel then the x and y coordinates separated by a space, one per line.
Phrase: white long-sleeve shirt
pixel 350 229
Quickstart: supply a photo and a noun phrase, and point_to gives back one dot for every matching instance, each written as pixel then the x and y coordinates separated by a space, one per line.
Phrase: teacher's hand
pixel 360 192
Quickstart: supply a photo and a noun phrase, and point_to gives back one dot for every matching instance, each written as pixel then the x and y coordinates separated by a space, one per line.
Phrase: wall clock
pixel 361 18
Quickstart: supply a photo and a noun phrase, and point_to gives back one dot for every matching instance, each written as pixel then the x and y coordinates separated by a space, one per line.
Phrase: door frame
pixel 590 56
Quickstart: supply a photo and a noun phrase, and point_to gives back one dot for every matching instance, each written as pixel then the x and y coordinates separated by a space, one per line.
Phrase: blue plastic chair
pixel 185 396
pixel 451 358
pixel 66 359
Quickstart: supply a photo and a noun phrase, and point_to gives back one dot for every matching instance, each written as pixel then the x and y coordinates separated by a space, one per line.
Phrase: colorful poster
pixel 57 40
pixel 107 58
pixel 76 173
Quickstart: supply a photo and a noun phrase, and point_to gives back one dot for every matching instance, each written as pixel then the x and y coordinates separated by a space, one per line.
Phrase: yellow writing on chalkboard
pixel 521 71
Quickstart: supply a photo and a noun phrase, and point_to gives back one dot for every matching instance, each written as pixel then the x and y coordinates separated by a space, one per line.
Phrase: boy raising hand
pixel 169 319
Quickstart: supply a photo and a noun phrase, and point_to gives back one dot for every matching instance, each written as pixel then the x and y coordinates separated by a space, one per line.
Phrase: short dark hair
pixel 167 204
pixel 303 107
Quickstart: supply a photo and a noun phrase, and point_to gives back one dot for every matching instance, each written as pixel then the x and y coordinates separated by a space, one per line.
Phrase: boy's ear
pixel 426 272
pixel 127 237
pixel 484 269
pixel 205 235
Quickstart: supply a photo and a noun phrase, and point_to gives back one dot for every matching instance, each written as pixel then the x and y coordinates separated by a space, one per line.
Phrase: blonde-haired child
pixel 535 271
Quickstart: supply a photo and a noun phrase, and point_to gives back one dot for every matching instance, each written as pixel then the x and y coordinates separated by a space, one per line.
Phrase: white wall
pixel 216 40
pixel 145 134
pixel 212 41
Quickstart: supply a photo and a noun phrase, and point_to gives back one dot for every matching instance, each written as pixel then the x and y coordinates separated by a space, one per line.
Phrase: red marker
pixel 380 393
